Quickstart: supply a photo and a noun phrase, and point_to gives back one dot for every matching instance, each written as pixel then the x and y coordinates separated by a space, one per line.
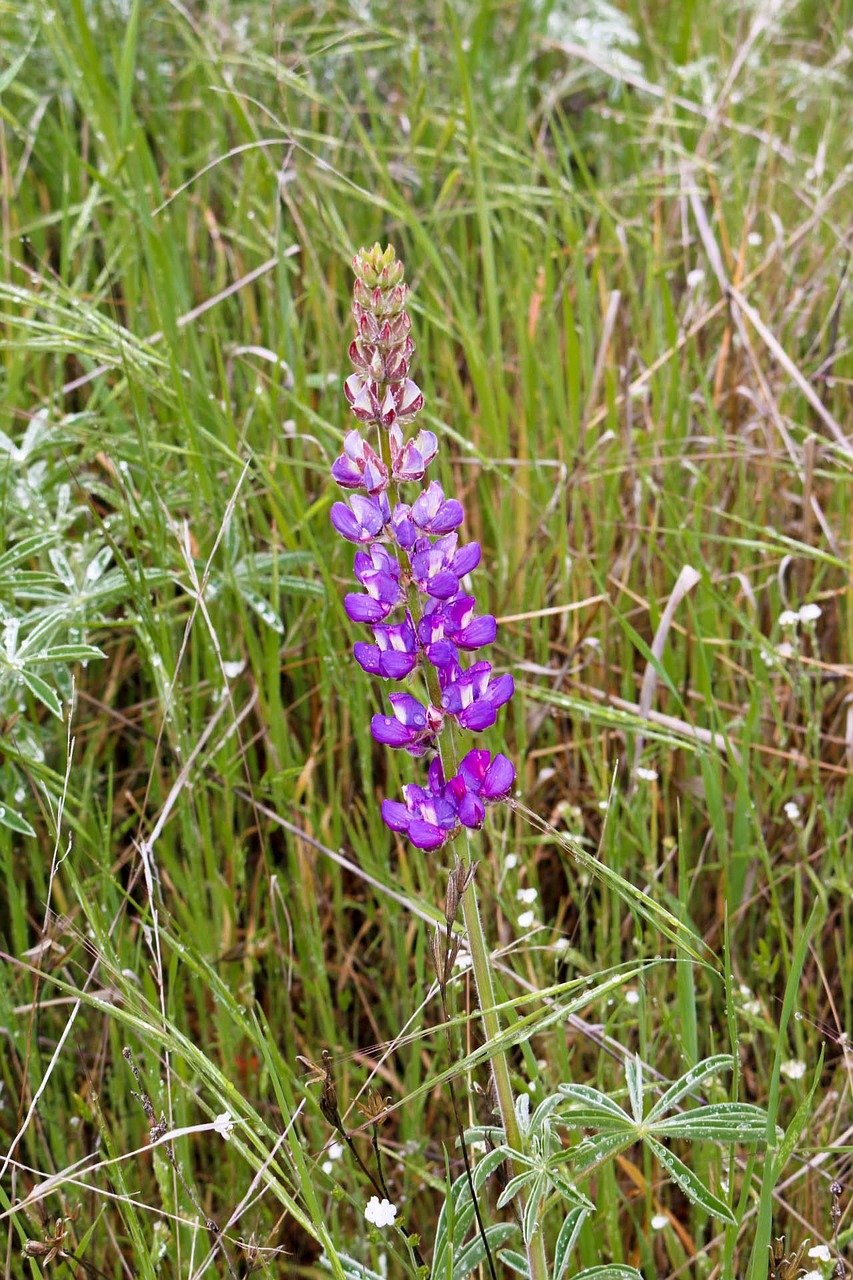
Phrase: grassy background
pixel 574 190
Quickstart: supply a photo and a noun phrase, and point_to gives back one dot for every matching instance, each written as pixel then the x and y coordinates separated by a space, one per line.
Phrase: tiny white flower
pixel 234 669
pixel 812 1275
pixel 659 1221
pixel 511 861
pixel 647 775
pixel 561 944
pixel 809 613
pixel 602 804
pixel 754 238
pixel 787 618
pixel 794 1069
pixel 224 1125
pixel 695 277
pixel 526 920
pixel 463 960
pixel 821 1252
pixel 784 650
pixel 632 996
pixel 527 895
pixel 380 1212
pixel 792 811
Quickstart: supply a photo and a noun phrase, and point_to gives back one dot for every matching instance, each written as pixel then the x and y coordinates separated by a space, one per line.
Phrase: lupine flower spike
pixel 411 564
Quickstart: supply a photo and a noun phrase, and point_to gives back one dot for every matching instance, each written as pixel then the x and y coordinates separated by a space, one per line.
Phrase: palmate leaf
pixel 689 1183
pixel 718 1122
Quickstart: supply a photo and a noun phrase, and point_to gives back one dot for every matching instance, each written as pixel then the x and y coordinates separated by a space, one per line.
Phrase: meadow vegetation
pixel 627 235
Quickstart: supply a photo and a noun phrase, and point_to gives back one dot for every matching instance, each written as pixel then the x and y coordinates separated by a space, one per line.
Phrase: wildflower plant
pixel 411 566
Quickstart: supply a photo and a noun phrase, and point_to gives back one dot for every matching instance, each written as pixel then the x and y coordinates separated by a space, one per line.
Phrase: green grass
pixel 192 855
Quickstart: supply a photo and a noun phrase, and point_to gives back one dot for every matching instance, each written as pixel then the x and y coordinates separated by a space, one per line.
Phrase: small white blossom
pixel 224 1125
pixel 821 1252
pixel 632 996
pixel 380 1212
pixel 511 861
pixel 788 618
pixel 647 775
pixel 659 1221
pixel 754 238
pixel 812 1275
pixel 526 920
pixel 695 277
pixel 792 811
pixel 809 613
pixel 794 1069
pixel 527 895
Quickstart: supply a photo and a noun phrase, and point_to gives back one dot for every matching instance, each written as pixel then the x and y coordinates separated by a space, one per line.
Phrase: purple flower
pixel 434 514
pixel 395 654
pixel 379 574
pixel 471 697
pixel 412 726
pixel 428 816
pixel 438 566
pixel 446 624
pixel 363 519
pixel 491 778
pixel 358 467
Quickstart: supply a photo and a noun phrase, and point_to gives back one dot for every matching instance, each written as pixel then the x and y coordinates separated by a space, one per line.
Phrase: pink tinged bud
pixel 408 399
pixel 361 393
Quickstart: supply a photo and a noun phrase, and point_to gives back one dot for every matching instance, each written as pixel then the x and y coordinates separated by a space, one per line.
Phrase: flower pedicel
pixel 410 565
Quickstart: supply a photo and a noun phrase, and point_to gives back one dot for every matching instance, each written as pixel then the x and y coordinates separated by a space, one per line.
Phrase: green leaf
pixel 41 690
pixel 688 1082
pixel 594 1100
pixel 67 653
pixel 568 1190
pixel 474 1253
pixel 593 1151
pixel 718 1122
pixel 609 1271
pixel 356 1270
pixel 532 1210
pixel 687 1180
pixel 487 1166
pixel 515 1261
pixel 9 818
pixel 634 1077
pixel 566 1240
pixel 515 1185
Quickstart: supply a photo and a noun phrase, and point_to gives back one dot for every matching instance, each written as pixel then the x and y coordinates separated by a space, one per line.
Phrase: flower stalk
pixel 410 565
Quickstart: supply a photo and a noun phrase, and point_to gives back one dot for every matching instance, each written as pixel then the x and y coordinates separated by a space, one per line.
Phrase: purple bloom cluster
pixel 410 564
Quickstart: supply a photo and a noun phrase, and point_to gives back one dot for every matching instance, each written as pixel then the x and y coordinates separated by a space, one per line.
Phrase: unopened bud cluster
pixel 410 565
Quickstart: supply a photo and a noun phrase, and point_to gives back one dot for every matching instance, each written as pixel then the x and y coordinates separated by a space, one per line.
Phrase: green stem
pixel 481 964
